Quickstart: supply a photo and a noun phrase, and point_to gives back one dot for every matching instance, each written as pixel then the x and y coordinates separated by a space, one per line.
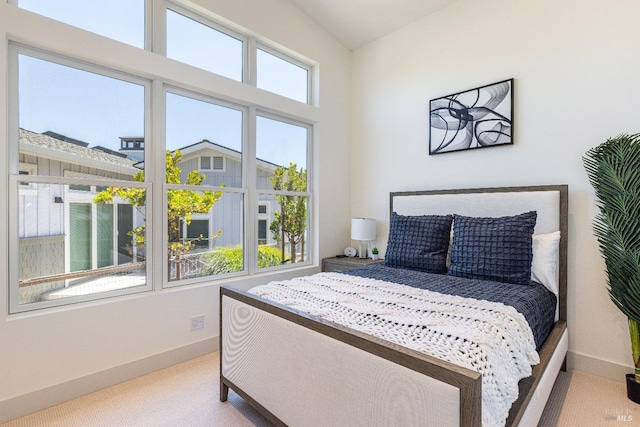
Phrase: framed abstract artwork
pixel 477 118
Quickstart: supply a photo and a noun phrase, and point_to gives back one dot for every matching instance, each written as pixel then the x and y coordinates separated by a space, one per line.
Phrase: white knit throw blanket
pixel 487 337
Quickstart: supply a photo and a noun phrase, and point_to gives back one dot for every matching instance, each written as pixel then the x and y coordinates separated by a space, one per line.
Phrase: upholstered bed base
pixel 299 370
pixel 308 378
pixel 308 373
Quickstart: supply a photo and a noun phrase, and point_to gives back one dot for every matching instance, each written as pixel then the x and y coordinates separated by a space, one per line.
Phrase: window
pixel 280 144
pixel 121 20
pixel 96 148
pixel 203 46
pixel 282 182
pixel 215 163
pixel 197 231
pixel 132 147
pixel 262 231
pixel 193 123
pixel 66 239
pixel 284 76
pixel 218 163
pixel 68 249
pixel 190 38
pixel 89 223
pixel 205 163
pixel 264 237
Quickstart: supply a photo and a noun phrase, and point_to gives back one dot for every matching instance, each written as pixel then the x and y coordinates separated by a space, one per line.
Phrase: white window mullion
pixel 251 62
pixel 313 187
pixel 156 227
pixel 157 31
pixel 251 201
pixel 10 152
pixel 115 258
pixel 94 236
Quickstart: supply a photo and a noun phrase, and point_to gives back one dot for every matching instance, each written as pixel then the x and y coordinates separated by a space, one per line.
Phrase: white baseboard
pixel 54 395
pixel 602 368
pixel 60 393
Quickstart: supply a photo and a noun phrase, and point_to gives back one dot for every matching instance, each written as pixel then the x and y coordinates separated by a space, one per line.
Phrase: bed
pixel 302 369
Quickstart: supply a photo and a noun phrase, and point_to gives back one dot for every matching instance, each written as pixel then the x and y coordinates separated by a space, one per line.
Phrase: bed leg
pixel 563 368
pixel 224 391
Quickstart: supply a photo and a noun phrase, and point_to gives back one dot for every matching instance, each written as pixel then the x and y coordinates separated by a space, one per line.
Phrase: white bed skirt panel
pixel 308 379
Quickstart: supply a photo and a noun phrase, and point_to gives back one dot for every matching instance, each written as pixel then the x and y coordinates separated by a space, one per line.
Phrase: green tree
pixel 182 205
pixel 290 222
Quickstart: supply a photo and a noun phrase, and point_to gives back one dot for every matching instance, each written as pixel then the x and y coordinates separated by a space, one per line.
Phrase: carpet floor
pixel 187 395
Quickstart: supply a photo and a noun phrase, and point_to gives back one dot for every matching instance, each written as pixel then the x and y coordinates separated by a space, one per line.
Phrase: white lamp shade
pixel 363 229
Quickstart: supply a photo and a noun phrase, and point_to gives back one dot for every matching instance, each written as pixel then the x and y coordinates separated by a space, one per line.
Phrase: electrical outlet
pixel 197 322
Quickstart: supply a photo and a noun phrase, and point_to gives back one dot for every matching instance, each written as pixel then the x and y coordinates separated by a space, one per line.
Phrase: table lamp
pixel 364 230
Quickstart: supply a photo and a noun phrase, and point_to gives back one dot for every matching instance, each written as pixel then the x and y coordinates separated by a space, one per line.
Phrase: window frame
pixel 308 193
pixel 158 74
pixel 147 33
pixel 155 39
pixel 16 49
pixel 166 283
pixel 212 164
pixel 213 24
pixel 243 190
pixel 288 58
pixel 14 259
pixel 264 216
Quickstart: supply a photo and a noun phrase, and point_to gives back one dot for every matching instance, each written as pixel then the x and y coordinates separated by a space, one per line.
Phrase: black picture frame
pixel 476 118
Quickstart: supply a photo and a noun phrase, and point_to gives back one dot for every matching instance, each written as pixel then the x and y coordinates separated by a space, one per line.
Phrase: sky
pixel 99 110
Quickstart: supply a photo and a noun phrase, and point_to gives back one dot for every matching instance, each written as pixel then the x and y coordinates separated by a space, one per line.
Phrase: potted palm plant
pixel 613 168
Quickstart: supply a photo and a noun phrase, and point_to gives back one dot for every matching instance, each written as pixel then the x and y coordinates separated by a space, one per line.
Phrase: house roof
pixel 189 150
pixel 38 144
pixel 206 144
pixel 59 147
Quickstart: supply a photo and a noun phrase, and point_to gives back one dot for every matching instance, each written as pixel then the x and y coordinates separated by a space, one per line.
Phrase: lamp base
pixel 363 250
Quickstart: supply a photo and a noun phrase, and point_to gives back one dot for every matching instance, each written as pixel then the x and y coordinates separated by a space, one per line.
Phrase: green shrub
pixel 269 256
pixel 229 259
pixel 223 260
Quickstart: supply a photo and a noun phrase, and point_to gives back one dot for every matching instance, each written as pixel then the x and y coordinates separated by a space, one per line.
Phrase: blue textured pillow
pixel 419 242
pixel 497 249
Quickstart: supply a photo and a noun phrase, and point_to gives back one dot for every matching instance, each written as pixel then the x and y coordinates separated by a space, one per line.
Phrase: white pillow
pixel 544 266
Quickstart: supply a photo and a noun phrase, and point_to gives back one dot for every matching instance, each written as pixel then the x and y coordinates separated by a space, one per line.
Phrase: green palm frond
pixel 613 168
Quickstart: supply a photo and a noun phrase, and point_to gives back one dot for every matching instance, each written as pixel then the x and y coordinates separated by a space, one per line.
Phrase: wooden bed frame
pixel 297 369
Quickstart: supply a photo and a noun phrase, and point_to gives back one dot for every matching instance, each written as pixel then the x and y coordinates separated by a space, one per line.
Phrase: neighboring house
pixel 223 166
pixel 64 219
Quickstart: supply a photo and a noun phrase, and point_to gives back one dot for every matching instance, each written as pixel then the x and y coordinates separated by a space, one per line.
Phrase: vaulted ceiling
pixel 358 22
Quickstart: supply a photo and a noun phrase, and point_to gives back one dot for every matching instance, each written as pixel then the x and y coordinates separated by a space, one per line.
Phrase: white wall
pixel 88 345
pixel 576 65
